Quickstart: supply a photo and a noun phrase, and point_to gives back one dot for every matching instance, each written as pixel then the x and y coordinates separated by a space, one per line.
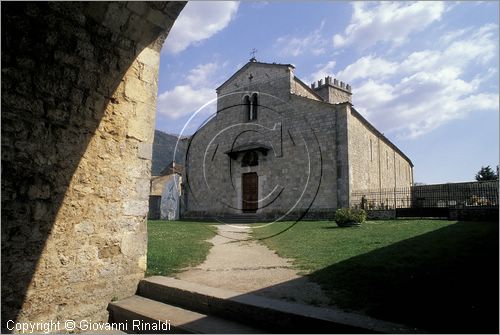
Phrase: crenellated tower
pixel 333 90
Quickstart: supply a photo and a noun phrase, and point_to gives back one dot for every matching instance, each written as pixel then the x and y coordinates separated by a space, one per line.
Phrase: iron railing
pixel 453 195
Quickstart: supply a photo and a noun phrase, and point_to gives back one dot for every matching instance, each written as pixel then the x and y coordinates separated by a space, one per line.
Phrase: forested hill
pixel 163 151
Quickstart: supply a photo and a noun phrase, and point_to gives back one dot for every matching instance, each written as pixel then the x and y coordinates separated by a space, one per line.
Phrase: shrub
pixel 347 217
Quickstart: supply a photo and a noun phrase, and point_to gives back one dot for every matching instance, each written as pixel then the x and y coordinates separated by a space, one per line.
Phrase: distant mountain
pixel 163 151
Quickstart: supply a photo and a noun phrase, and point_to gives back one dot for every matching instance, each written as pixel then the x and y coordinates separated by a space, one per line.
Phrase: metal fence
pixel 456 195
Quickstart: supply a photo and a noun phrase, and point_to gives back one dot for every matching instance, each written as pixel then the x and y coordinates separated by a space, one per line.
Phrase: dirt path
pixel 247 266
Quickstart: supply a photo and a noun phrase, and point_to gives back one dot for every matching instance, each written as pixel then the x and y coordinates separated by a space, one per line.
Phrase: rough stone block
pixel 39 191
pixel 145 151
pixel 140 126
pixel 158 18
pixel 137 90
pixel 136 207
pixel 149 75
pixel 85 49
pixel 137 7
pixel 142 187
pixel 85 227
pixel 116 16
pixel 149 57
pixel 134 29
pixel 133 245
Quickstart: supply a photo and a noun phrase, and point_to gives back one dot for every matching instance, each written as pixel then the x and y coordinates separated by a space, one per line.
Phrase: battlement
pixel 331 82
pixel 332 90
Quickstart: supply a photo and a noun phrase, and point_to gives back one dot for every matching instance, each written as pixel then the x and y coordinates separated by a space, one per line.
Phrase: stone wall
pixel 375 163
pixel 341 137
pixel 300 89
pixel 382 214
pixel 301 163
pixel 158 184
pixel 257 74
pixel 332 90
pixel 79 85
pixel 347 155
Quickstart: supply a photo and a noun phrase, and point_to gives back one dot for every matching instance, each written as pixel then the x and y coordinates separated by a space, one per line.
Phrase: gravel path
pixel 248 266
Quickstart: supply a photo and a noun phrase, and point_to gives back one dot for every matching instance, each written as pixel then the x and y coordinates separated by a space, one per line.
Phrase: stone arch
pixel 79 82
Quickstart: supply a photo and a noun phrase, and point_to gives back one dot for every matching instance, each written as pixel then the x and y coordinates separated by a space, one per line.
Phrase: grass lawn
pixel 173 245
pixel 437 275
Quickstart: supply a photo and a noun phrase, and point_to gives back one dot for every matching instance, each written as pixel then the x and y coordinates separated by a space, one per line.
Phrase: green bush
pixel 346 217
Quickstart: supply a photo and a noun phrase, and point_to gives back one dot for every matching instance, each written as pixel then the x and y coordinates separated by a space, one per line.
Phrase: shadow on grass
pixel 337 227
pixel 443 281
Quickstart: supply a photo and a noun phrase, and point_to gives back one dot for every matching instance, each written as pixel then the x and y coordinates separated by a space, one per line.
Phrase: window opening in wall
pixel 247 107
pixel 253 107
pixel 251 158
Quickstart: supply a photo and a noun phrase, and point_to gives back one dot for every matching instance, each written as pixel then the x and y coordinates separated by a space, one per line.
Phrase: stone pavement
pixel 248 266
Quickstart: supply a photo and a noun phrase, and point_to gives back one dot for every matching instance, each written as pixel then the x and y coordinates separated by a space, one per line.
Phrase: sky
pixel 423 73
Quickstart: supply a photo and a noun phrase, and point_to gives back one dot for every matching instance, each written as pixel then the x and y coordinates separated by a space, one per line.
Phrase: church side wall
pixel 374 165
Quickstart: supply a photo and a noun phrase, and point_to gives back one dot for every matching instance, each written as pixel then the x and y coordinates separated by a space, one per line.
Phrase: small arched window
pixel 247 106
pixel 251 158
pixel 254 107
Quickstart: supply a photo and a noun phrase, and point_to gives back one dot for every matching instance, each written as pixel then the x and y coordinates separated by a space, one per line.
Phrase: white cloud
pixel 367 67
pixel 323 71
pixel 387 22
pixel 420 60
pixel 183 100
pixel 454 35
pixel 294 46
pixel 198 21
pixel 481 46
pixel 365 94
pixel 198 89
pixel 410 96
pixel 259 4
pixel 202 74
pixel 477 48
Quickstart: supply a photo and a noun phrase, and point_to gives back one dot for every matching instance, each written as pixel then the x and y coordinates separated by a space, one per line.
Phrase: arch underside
pixel 79 86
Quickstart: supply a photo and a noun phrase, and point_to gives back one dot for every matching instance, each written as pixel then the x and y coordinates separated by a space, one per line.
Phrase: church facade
pixel 280 149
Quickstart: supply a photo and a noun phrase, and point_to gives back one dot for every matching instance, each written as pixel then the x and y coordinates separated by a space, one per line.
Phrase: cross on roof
pixel 252 53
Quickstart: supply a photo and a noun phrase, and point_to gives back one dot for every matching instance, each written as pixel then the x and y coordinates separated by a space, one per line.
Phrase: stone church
pixel 280 149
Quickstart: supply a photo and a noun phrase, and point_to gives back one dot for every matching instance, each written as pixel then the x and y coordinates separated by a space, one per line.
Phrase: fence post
pixel 394 197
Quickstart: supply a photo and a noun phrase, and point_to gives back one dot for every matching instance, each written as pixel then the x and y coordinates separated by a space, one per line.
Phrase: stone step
pixel 145 316
pixel 264 313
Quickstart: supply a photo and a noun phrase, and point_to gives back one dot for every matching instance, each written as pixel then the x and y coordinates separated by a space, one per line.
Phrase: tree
pixel 486 173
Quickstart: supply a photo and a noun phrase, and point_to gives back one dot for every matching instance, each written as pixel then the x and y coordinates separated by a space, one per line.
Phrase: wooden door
pixel 250 187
